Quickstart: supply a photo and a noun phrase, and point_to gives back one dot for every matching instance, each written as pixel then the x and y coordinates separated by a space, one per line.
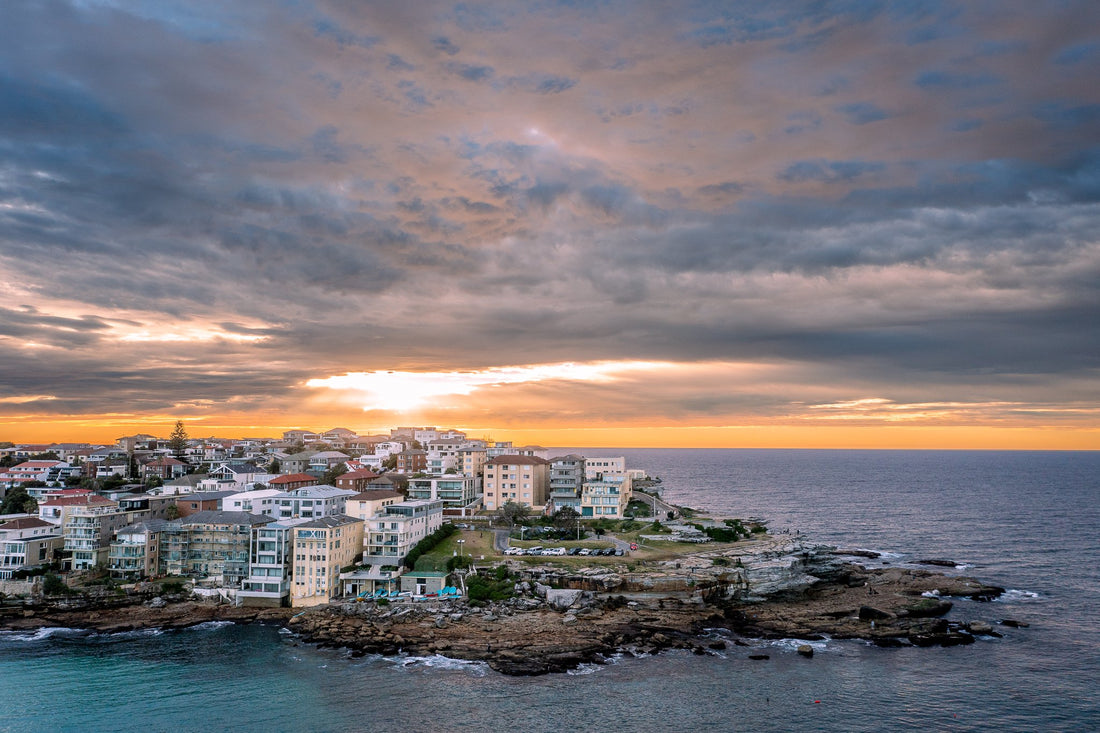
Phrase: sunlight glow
pixel 399 391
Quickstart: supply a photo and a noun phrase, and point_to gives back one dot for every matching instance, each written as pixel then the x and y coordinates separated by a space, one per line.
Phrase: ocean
pixel 1027 521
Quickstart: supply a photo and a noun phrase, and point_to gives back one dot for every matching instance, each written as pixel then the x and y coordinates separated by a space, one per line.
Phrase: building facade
pixel 522 479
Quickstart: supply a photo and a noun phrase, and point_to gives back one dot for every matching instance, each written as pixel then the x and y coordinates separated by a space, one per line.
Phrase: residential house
pixel 291 481
pixel 322 548
pixel 355 480
pixel 323 461
pixel 366 504
pixel 295 462
pixel 522 479
pixel 165 468
pixel 259 501
pixel 202 501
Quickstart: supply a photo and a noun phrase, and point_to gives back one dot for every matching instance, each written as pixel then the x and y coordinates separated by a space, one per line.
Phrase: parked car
pixel 584 551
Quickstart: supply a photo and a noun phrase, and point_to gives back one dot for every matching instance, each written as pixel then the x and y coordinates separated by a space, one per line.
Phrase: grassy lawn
pixel 476 544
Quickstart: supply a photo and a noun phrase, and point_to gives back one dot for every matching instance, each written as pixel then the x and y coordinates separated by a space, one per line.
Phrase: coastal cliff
pixel 777 587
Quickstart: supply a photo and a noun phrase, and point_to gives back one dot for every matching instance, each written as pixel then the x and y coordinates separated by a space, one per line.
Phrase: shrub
pixel 55 586
pixel 721 561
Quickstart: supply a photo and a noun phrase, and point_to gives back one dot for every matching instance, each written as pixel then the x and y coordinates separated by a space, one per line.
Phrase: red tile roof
pixel 375 495
pixel 87 500
pixel 293 478
pixel 25 523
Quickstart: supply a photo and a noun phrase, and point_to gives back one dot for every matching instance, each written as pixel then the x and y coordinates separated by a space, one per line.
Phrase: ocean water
pixel 1026 521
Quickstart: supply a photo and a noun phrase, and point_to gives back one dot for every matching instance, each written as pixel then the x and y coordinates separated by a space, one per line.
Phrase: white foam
pixel 793 644
pixel 1013 595
pixel 210 625
pixel 43 633
pixel 438 661
pixel 931 593
pixel 882 554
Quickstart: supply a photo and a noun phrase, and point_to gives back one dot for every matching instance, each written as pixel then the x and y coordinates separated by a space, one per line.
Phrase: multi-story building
pixel 444 455
pixel 366 504
pixel 606 497
pixel 566 481
pixel 313 502
pixel 595 468
pixel 210 544
pixel 27 542
pixel 522 479
pixel 165 468
pixel 413 460
pixel 322 548
pixel 135 551
pixel 473 460
pixel 355 480
pixel 456 491
pixel 270 562
pixel 88 532
pixel 391 534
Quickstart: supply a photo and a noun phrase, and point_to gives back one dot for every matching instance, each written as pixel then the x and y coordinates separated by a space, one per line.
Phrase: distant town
pixel 299 520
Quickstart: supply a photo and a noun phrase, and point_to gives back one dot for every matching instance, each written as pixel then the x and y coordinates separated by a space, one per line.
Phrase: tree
pixel 390 462
pixel 18 501
pixel 172 511
pixel 335 472
pixel 566 519
pixel 513 512
pixel 275 466
pixel 177 442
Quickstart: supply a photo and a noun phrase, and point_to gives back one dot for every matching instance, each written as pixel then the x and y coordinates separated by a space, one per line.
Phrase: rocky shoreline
pixel 778 588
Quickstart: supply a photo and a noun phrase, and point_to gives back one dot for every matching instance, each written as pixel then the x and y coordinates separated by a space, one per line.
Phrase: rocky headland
pixel 772 587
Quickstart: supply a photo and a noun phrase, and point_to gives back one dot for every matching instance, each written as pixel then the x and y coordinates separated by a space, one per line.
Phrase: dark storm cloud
pixel 210 202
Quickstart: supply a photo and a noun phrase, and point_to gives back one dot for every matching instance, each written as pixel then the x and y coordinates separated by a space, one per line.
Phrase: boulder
pixel 867 613
pixel 1013 623
pixel 560 600
pixel 979 627
pixel 805 650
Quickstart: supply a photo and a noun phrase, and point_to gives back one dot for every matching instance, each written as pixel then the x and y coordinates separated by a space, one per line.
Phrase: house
pixel 26 543
pixel 595 468
pixel 522 479
pixel 299 436
pixel 607 497
pixel 322 548
pixel 355 480
pixel 323 461
pixel 291 481
pixel 259 501
pixel 270 564
pixel 234 475
pixel 47 472
pixel 203 501
pixel 313 502
pixel 56 511
pixel 165 468
pixel 295 462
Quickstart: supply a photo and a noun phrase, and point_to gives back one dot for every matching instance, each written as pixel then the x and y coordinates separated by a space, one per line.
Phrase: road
pixel 660 508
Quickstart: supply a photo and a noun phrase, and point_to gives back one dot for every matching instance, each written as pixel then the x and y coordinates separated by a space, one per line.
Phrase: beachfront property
pixel 322 548
pixel 522 479
pixel 271 559
pixel 366 504
pixel 135 551
pixel 27 542
pixel 259 501
pixel 607 488
pixel 312 502
pixel 394 531
pixel 210 544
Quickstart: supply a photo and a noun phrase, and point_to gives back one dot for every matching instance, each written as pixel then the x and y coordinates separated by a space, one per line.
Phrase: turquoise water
pixel 1027 521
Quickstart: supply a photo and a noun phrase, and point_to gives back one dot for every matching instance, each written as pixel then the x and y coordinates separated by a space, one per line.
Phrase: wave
pixel 45 632
pixel 1013 595
pixel 210 625
pixel 438 661
pixel 793 644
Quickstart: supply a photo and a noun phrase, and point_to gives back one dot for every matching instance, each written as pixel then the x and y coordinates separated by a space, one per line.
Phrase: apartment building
pixel 522 479
pixel 322 547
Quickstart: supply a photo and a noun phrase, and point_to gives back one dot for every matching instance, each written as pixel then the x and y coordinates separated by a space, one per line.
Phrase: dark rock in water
pixel 805 650
pixel 1013 623
pixel 888 642
pixel 979 627
pixel 717 645
pixel 759 656
pixel 987 593
pixel 937 562
pixel 947 638
pixel 926 608
pixel 858 553
pixel 867 613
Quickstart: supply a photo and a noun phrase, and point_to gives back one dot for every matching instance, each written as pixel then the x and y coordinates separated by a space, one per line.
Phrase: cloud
pixel 211 206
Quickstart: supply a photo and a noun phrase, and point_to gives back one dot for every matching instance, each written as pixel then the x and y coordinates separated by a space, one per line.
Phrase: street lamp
pixel 460 544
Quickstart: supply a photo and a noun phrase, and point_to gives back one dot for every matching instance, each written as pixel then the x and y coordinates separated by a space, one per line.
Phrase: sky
pixel 850 224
